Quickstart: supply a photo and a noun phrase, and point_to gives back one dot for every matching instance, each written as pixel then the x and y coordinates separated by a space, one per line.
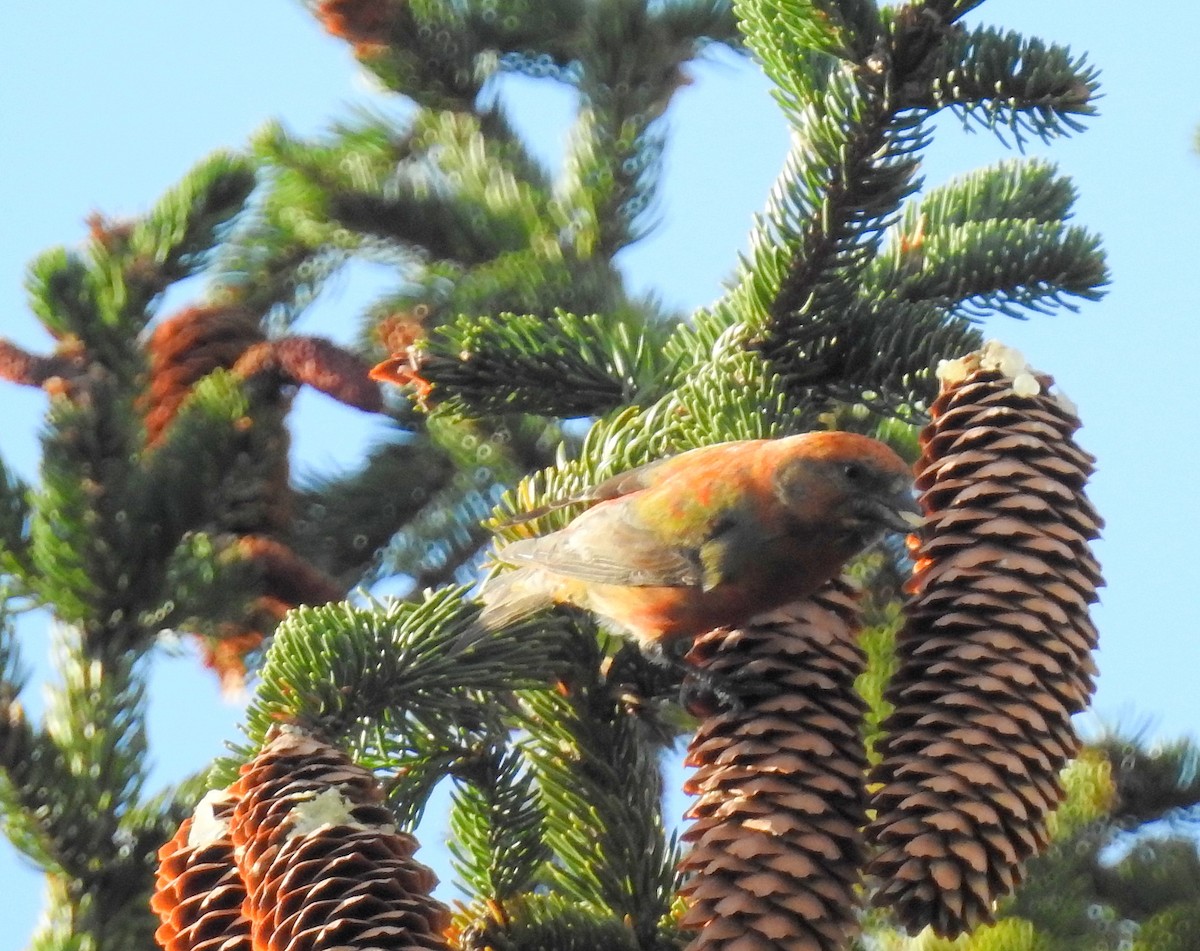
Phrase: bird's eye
pixel 853 471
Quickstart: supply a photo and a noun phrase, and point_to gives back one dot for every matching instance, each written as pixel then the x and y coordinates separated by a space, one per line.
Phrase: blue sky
pixel 105 107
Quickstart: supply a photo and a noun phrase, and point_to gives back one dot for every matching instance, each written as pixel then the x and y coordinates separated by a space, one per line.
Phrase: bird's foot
pixel 705 694
pixel 702 692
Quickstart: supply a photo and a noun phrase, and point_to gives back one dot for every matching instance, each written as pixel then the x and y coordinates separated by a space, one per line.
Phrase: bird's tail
pixel 507 598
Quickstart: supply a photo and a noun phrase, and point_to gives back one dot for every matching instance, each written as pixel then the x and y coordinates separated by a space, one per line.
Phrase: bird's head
pixel 851 484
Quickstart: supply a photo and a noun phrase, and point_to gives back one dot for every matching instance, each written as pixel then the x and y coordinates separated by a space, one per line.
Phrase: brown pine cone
pixel 198 891
pixel 995 655
pixel 185 348
pixel 323 863
pixel 775 833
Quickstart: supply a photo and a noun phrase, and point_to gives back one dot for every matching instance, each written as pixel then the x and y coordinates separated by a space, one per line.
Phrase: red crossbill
pixel 709 537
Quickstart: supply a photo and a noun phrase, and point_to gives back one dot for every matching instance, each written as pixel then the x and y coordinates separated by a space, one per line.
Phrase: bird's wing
pixel 623 483
pixel 608 545
pixel 633 480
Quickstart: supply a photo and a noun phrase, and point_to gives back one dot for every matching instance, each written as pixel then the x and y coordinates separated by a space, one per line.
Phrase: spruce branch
pixel 854 164
pixel 522 282
pixel 496 825
pixel 82 777
pixel 734 396
pixel 15 514
pixel 459 186
pixel 194 455
pixel 429 55
pixel 950 10
pixel 132 263
pixel 58 285
pixel 1013 189
pixel 1005 266
pixel 630 68
pixel 1153 783
pixel 547 920
pixel 597 770
pixel 31 766
pixel 179 233
pixel 343 666
pixel 343 521
pixel 291 220
pixel 565 366
pixel 268 270
pixel 881 352
pixel 445 531
pixel 444 535
pixel 792 32
pixel 96 718
pixel 1008 83
pixel 700 22
pixel 64 542
pixel 454 185
pixel 1154 876
pixel 205 586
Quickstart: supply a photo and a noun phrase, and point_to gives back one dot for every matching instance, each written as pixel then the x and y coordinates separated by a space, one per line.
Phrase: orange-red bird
pixel 709 537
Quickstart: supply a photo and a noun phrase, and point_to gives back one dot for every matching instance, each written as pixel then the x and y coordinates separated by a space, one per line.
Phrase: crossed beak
pixel 901 513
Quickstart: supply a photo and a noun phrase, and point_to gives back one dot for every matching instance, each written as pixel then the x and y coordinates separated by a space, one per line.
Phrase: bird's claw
pixel 702 687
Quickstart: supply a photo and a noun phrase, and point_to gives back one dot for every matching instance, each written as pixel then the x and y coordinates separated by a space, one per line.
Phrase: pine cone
pixel 185 348
pixel 776 831
pixel 29 369
pixel 323 864
pixel 315 362
pixel 361 22
pixel 198 892
pixel 995 654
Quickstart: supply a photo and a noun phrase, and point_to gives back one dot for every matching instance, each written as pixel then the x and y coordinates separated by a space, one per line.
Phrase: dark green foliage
pixel 111 541
pixel 1156 874
pixel 1153 783
pixel 333 665
pixel 343 522
pixel 549 922
pixel 203 444
pixel 562 366
pixel 1007 82
pixel 1173 930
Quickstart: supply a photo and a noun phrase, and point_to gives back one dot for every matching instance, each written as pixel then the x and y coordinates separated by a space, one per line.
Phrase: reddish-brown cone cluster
pixel 404 369
pixel 776 830
pixel 315 362
pixel 184 349
pixel 198 893
pixel 31 369
pixel 287 580
pixel 316 856
pixel 198 340
pixel 364 23
pixel 995 656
